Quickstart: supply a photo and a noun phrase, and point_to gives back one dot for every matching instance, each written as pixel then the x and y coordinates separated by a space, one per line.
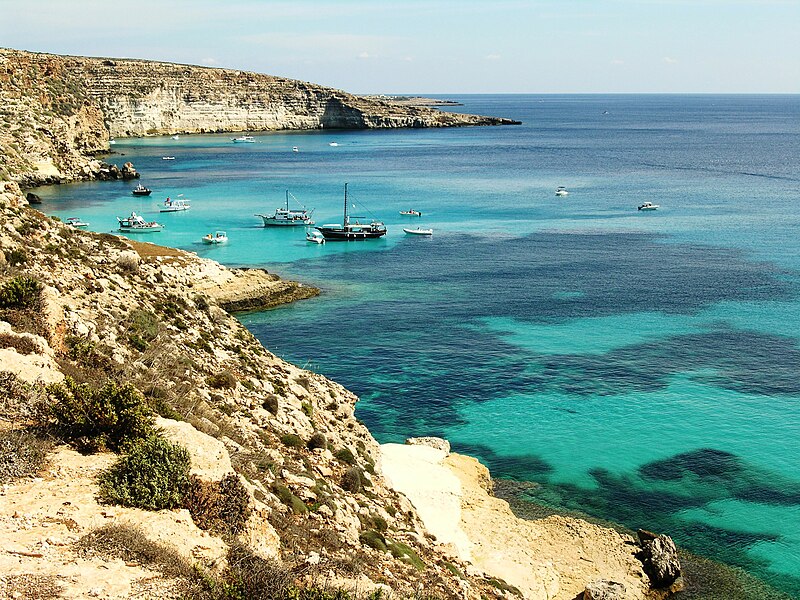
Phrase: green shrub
pixel 317 440
pixel 222 380
pixel 346 456
pixel 292 440
pixel 307 409
pixel 406 554
pixel 251 577
pixel 111 416
pixel 220 506
pixel 286 496
pixel 21 454
pixel 20 292
pixel 16 257
pixel 153 475
pixel 143 323
pixel 373 539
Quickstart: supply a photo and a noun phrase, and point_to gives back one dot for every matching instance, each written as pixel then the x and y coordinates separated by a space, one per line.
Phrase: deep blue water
pixel 642 367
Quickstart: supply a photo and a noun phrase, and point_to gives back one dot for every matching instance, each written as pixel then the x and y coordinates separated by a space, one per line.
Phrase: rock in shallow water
pixel 659 557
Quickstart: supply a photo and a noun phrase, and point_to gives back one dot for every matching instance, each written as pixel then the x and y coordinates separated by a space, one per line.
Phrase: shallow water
pixel 641 366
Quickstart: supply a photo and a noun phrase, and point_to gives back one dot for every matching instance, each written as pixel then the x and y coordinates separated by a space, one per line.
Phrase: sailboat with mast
pixel 348 230
pixel 291 217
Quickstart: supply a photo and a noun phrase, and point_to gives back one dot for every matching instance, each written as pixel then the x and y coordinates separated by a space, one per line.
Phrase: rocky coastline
pixel 60 113
pixel 154 317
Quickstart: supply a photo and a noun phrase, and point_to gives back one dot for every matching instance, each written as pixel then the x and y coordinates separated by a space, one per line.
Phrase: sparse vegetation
pixel 373 539
pixel 21 454
pixel 111 416
pixel 270 403
pixel 16 257
pixel 153 475
pixel 405 553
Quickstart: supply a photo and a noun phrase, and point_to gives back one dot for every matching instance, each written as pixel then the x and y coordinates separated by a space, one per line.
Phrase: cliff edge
pixel 57 113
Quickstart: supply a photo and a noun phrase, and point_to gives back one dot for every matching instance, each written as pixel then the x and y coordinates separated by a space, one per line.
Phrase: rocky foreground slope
pixel 114 353
pixel 57 113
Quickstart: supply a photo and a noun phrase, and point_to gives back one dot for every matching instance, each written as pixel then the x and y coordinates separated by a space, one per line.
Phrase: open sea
pixel 639 367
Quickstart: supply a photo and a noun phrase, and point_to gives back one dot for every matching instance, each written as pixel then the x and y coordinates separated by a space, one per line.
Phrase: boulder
pixel 32 198
pixel 603 589
pixel 128 171
pixel 659 557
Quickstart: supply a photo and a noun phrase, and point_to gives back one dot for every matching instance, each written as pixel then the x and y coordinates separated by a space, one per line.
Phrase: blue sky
pixel 505 46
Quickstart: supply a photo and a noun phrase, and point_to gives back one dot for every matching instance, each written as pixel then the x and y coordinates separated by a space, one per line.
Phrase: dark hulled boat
pixel 348 230
pixel 140 190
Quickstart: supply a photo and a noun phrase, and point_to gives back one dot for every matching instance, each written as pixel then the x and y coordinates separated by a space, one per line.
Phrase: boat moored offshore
pixel 349 231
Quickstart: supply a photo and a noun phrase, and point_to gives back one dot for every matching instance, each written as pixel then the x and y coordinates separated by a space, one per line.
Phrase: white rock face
pixel 210 458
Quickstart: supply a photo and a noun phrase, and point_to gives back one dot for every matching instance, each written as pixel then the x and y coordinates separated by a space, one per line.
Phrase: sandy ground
pixel 548 559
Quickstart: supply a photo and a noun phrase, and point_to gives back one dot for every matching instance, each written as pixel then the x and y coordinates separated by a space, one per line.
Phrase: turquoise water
pixel 643 367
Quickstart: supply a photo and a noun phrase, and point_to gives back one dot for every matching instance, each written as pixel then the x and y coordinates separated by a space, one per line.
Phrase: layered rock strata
pixel 58 112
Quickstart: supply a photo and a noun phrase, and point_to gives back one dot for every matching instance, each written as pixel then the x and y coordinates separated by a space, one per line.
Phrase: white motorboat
pixel 176 205
pixel 176 137
pixel 561 191
pixel 315 237
pixel 136 224
pixel 244 139
pixel 218 237
pixel 292 217
pixel 76 223
pixel 411 213
pixel 295 149
pixel 334 144
pixel 648 206
pixel 167 158
pixel 418 231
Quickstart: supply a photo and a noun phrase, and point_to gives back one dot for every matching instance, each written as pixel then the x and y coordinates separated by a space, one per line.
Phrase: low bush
pixel 222 380
pixel 23 345
pixel 292 440
pixel 286 496
pixel 153 475
pixel 406 554
pixel 16 257
pixel 346 456
pixel 220 506
pixel 317 440
pixel 142 328
pixel 373 539
pixel 110 416
pixel 21 454
pixel 351 480
pixel 20 292
pixel 270 403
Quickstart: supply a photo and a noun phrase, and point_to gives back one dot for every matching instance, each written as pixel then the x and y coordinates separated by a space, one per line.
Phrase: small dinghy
pixel 418 231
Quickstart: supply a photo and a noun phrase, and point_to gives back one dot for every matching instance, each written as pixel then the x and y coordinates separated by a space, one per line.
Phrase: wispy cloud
pixel 617 61
pixel 492 57
pixel 670 61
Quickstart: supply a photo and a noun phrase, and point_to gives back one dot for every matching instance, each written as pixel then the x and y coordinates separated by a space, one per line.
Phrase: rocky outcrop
pixel 59 112
pixel 604 590
pixel 659 555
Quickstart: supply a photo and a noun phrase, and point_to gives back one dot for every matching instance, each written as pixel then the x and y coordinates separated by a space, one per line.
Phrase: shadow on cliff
pixel 338 115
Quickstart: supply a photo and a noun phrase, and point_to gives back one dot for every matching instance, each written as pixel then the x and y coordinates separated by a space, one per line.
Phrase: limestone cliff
pixel 58 112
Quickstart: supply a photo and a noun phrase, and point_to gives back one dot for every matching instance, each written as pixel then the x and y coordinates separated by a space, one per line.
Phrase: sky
pixel 447 46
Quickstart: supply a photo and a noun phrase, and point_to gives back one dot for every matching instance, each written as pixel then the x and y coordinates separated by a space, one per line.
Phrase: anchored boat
pixel 291 217
pixel 349 231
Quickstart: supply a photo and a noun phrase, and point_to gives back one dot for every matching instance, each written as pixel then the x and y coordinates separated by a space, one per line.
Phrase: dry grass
pixel 30 587
pixel 150 251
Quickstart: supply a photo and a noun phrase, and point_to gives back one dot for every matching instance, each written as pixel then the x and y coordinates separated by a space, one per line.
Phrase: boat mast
pixel 346 218
pixel 287 200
